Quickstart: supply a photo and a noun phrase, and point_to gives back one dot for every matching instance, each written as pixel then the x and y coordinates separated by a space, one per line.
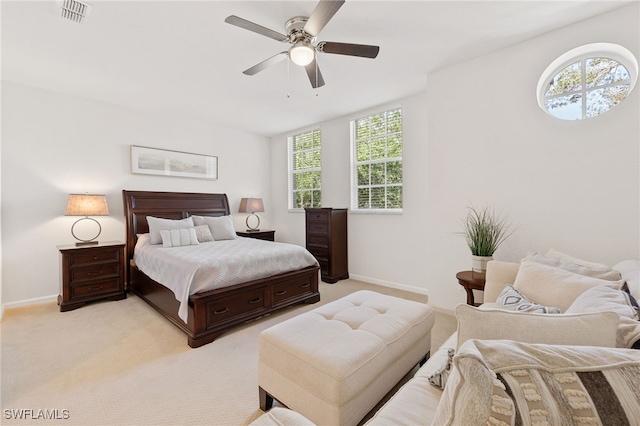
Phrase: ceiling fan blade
pixel 248 25
pixel 322 14
pixel 362 50
pixel 311 72
pixel 266 63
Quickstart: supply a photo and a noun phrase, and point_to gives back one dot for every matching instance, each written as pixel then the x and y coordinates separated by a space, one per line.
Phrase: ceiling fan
pixel 302 32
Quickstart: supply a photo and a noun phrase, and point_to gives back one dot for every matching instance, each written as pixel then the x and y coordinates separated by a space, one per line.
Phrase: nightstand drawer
pixel 94 272
pixel 236 306
pixel 110 254
pixel 95 287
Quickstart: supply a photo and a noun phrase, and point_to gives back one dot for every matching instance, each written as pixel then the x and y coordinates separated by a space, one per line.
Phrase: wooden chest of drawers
pixel 91 272
pixel 326 239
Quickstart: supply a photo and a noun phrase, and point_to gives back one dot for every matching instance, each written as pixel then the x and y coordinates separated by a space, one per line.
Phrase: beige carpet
pixel 121 363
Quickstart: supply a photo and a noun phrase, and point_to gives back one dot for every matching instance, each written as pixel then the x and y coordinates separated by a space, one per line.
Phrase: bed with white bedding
pixel 191 269
pixel 207 288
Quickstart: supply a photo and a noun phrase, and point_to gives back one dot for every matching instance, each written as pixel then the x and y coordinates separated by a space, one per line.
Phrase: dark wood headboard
pixel 168 205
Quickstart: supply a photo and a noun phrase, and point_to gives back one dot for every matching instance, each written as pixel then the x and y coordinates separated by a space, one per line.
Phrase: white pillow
pixel 604 298
pixel 608 274
pixel 157 224
pixel 204 234
pixel 179 237
pixel 551 286
pixel 630 270
pixel 221 226
pixel 593 329
pixel 555 254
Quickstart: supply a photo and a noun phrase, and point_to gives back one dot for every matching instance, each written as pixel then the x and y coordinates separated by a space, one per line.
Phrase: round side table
pixel 471 281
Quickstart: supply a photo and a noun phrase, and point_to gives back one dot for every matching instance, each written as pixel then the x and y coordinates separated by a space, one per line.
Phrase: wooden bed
pixel 213 312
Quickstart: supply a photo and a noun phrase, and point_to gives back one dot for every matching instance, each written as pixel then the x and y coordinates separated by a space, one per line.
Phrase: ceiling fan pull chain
pixel 316 77
pixel 288 80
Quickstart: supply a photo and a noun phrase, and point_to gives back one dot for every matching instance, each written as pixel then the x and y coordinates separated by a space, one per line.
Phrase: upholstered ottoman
pixel 335 363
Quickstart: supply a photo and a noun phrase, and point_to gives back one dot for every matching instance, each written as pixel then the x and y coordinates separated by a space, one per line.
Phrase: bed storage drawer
pixel 235 306
pixel 291 289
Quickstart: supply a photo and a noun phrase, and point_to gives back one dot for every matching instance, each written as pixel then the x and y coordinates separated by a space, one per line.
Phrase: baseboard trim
pixel 28 302
pixel 390 284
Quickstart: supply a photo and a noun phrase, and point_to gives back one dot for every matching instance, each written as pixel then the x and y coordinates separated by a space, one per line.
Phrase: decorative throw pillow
pixel 203 233
pixel 555 254
pixel 440 376
pixel 511 300
pixel 551 286
pixel 609 274
pixel 157 224
pixel 591 329
pixel 604 298
pixel 178 237
pixel 221 226
pixel 630 270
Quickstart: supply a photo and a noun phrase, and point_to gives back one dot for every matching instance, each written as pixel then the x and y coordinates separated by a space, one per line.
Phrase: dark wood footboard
pixel 214 312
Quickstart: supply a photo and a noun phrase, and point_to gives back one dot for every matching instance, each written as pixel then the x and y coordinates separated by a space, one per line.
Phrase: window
pixel 376 162
pixel 305 171
pixel 587 81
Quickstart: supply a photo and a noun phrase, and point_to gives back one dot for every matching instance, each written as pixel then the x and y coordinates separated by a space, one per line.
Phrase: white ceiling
pixel 181 58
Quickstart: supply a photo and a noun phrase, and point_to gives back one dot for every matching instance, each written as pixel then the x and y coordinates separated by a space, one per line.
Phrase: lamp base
pixel 249 227
pixel 86 243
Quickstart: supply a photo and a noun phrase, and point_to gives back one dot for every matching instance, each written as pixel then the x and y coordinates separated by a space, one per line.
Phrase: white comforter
pixel 192 269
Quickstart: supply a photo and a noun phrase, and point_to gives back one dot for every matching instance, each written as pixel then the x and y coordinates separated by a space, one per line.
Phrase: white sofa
pixel 417 402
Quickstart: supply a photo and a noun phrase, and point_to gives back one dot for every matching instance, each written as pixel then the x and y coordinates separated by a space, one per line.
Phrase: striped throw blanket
pixel 503 382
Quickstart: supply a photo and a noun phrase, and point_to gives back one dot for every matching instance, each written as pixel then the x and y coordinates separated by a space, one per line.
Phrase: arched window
pixel 587 81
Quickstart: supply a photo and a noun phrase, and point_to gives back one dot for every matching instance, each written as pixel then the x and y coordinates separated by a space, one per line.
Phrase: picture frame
pixel 165 162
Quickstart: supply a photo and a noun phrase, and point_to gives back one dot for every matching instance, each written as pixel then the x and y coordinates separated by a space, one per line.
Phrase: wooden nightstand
pixel 471 281
pixel 263 234
pixel 91 272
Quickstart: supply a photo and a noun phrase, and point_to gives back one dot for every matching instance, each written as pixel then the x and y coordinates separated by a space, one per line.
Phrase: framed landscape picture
pixel 154 161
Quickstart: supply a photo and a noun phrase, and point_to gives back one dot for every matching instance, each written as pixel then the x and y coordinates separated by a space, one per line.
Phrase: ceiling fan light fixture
pixel 301 53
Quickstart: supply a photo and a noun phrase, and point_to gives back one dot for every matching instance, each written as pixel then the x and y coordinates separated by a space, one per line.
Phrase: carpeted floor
pixel 121 363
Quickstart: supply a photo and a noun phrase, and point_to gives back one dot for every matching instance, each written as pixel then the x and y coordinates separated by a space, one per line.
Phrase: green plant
pixel 485 230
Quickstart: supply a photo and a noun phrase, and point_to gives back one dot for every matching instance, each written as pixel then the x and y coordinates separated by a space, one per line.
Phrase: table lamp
pixel 251 205
pixel 86 205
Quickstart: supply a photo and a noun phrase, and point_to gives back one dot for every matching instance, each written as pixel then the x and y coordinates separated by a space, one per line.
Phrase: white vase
pixel 479 263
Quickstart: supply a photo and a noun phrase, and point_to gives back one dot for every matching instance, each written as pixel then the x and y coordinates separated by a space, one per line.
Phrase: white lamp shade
pixel 87 205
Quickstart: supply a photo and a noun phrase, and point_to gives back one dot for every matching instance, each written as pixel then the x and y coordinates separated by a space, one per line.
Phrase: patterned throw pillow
pixel 511 299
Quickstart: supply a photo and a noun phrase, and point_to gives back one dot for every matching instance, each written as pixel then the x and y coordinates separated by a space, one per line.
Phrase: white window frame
pixel 291 152
pixel 355 163
pixel 580 54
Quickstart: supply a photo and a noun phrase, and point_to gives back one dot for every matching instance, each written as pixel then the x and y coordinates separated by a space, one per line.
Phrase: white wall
pixel 477 136
pixel 55 144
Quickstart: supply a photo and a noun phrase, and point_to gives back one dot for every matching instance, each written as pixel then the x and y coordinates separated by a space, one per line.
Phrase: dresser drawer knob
pixel 281 292
pixel 98 287
pixel 221 311
pixel 93 274
pixel 95 257
pixel 305 285
pixel 256 300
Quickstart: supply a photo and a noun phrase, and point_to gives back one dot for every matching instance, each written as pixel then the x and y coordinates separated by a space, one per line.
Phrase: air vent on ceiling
pixel 74 10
